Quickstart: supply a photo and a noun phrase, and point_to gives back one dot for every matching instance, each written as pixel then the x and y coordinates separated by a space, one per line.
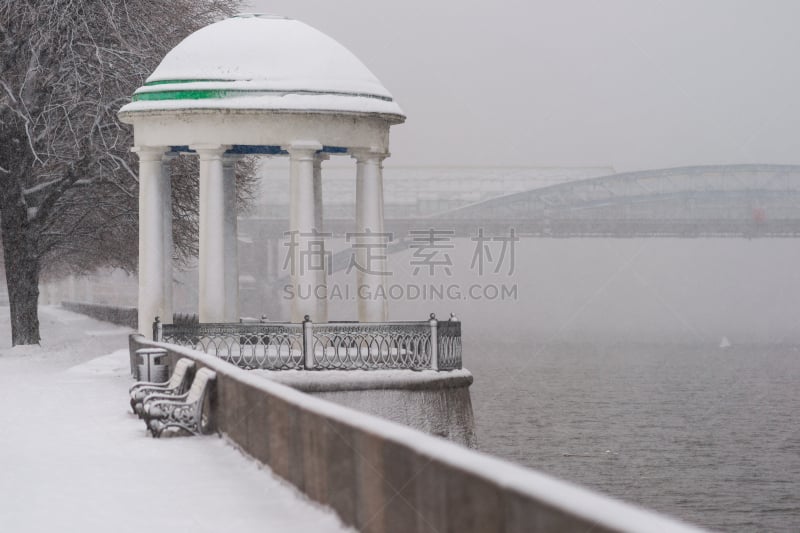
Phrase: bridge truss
pixel 704 201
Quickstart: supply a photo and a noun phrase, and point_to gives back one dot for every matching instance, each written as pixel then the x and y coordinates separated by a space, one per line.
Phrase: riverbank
pixel 73 458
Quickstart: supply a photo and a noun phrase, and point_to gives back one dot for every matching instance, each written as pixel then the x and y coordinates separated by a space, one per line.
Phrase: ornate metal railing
pixel 448 345
pixel 430 344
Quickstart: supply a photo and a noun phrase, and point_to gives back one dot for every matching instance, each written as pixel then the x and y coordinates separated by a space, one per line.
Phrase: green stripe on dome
pixel 180 95
pixel 204 94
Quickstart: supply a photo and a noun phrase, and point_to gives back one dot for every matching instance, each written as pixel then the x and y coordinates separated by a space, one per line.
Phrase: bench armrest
pixel 148 384
pixel 166 397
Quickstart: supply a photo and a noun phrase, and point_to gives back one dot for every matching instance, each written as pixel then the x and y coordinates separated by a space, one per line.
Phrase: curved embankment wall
pixel 383 477
pixel 437 403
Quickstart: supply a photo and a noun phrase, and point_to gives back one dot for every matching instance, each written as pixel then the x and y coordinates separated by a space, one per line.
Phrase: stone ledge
pixel 355 463
pixel 357 380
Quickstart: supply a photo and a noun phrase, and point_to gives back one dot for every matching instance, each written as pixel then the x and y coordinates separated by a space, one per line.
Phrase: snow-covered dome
pixel 254 61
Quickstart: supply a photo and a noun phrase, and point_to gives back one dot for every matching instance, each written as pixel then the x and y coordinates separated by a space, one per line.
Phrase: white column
pixel 301 226
pixel 318 159
pixel 231 236
pixel 152 204
pixel 370 278
pixel 322 273
pixel 211 295
pixel 166 194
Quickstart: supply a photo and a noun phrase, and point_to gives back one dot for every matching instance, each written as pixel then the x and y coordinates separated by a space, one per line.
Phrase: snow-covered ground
pixel 73 457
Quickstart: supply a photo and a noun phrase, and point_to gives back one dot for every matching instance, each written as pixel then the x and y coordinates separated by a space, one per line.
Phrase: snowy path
pixel 73 459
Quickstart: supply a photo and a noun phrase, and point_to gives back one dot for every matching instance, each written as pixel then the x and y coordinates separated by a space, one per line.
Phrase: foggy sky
pixel 630 83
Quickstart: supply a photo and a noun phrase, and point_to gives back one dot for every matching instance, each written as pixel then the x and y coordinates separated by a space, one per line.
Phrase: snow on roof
pixel 288 102
pixel 264 59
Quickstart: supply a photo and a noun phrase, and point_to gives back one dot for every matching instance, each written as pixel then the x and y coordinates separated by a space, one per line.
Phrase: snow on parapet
pixel 537 488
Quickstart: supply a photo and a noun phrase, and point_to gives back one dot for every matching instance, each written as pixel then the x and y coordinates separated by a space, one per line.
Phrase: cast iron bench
pixel 182 412
pixel 177 384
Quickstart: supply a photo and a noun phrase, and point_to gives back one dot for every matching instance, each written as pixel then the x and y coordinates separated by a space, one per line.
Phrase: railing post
pixel 157 330
pixel 308 343
pixel 434 342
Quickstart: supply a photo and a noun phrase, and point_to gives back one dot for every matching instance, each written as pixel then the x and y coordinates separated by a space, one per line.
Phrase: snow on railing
pixel 430 344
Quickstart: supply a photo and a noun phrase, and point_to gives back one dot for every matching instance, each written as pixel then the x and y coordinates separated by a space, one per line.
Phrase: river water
pixel 605 369
pixel 705 434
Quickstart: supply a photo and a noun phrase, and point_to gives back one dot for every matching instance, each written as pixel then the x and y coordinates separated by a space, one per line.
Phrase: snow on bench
pixel 180 413
pixel 177 385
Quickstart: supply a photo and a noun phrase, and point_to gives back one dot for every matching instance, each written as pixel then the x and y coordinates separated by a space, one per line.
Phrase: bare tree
pixel 68 186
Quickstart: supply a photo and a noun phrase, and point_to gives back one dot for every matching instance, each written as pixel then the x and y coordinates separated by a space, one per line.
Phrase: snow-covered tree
pixel 68 184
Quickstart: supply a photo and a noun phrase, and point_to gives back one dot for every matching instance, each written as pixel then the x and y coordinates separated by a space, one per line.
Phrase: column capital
pixel 367 154
pixel 302 149
pixel 210 151
pixel 150 153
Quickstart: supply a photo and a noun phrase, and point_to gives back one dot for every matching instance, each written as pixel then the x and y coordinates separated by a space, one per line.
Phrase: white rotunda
pixel 256 84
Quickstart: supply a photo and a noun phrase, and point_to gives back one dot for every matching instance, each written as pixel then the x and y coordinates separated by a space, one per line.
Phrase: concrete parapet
pixel 438 403
pixel 383 477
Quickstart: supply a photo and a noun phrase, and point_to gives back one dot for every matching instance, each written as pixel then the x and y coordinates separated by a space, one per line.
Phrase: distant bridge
pixel 746 201
pixel 737 201
pixel 701 201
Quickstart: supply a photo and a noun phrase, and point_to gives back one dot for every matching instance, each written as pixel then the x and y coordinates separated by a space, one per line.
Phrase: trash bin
pixel 151 364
